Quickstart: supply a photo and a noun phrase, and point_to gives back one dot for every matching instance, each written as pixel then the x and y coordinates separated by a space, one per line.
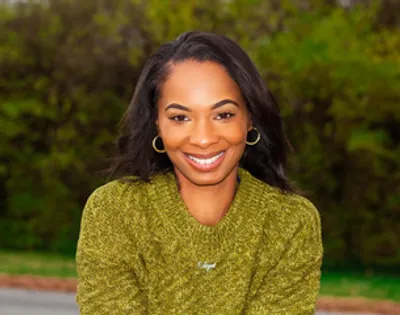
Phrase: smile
pixel 205 161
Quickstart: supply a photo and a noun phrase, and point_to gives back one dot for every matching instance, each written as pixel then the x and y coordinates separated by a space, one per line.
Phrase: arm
pixel 107 285
pixel 291 286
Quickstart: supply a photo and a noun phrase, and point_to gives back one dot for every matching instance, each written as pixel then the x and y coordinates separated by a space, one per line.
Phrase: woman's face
pixel 203 122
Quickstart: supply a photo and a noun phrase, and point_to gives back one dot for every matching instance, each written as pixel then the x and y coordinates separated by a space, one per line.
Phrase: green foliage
pixel 68 69
pixel 340 97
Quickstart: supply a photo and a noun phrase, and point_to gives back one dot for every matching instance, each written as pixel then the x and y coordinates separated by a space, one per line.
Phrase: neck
pixel 208 204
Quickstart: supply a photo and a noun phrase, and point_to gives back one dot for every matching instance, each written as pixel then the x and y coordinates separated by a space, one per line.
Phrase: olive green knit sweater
pixel 141 252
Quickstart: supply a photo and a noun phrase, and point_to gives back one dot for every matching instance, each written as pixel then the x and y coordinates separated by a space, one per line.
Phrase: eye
pixel 179 118
pixel 225 115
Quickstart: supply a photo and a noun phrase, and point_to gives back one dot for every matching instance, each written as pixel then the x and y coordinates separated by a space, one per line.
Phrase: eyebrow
pixel 215 106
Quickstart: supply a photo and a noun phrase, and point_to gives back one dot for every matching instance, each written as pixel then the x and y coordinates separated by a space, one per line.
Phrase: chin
pixel 206 178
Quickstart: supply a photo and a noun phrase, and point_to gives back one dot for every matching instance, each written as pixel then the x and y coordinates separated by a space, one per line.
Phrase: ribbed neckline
pixel 174 215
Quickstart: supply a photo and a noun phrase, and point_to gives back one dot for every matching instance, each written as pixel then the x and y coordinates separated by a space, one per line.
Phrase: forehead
pixel 192 82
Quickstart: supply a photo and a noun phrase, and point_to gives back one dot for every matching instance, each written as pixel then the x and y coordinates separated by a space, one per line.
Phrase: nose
pixel 203 134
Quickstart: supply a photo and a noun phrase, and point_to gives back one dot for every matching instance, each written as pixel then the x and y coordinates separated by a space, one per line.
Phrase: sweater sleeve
pixel 291 285
pixel 107 283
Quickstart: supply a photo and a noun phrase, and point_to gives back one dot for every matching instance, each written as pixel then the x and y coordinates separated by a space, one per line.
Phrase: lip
pixel 204 156
pixel 205 167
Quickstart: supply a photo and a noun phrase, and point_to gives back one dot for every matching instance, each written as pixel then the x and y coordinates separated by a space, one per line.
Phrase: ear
pixel 249 124
pixel 158 127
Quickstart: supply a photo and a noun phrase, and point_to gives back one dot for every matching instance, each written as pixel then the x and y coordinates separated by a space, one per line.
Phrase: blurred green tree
pixel 68 68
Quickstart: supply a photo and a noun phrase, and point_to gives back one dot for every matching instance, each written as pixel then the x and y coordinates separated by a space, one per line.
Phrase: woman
pixel 202 219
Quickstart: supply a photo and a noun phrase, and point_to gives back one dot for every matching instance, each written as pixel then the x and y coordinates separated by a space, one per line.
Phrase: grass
pixel 347 284
pixel 17 263
pixel 353 284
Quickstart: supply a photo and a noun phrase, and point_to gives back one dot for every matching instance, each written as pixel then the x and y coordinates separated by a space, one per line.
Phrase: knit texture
pixel 141 252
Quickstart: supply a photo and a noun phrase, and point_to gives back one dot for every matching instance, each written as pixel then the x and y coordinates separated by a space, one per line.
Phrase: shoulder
pixel 281 208
pixel 290 214
pixel 284 209
pixel 292 205
pixel 277 200
pixel 118 191
pixel 290 221
pixel 116 200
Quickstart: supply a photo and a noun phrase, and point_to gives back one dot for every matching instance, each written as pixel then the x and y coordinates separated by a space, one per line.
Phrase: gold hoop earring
pixel 257 139
pixel 153 143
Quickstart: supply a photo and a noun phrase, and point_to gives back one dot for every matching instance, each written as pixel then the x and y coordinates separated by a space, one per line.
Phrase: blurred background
pixel 67 72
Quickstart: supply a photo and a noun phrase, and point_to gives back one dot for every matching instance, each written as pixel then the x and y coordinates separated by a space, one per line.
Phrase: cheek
pixel 235 134
pixel 172 137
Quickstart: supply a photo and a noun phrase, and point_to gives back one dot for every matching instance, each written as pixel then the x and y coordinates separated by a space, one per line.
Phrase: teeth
pixel 205 161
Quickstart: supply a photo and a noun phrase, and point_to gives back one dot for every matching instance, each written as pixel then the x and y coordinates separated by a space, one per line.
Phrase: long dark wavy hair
pixel 135 156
